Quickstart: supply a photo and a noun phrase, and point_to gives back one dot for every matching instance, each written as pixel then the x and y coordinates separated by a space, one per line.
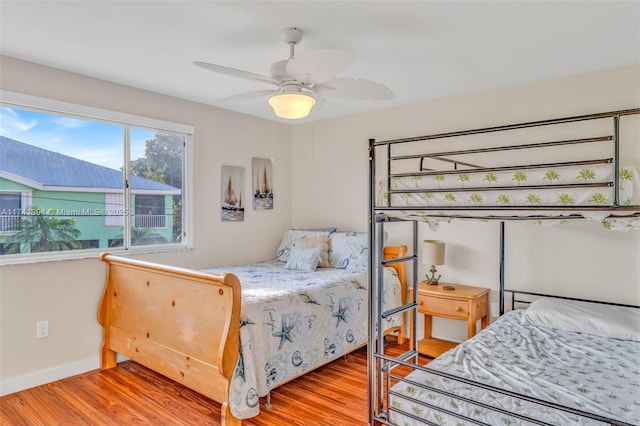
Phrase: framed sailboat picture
pixel 232 193
pixel 262 183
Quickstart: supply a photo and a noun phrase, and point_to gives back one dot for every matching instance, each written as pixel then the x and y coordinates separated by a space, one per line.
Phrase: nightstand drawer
pixel 453 308
pixel 452 301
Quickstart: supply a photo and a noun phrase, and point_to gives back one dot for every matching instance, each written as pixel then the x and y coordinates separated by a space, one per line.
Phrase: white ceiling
pixel 422 50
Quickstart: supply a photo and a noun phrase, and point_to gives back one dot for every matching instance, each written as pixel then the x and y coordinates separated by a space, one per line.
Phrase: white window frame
pixel 18 100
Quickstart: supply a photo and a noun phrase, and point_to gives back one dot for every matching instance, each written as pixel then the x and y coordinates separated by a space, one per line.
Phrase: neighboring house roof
pixel 48 170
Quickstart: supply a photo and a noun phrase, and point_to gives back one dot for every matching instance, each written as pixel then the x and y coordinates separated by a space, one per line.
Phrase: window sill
pixel 21 259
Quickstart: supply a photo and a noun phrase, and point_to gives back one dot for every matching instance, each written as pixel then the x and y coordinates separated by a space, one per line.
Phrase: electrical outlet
pixel 42 329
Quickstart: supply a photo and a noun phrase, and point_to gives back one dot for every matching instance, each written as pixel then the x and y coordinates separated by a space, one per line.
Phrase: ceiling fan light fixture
pixel 292 105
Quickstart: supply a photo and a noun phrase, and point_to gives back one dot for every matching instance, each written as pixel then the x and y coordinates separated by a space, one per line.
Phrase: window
pixel 81 179
pixel 10 206
pixel 149 212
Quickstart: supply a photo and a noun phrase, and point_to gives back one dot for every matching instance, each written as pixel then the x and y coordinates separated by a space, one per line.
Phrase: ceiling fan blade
pixel 234 72
pixel 351 88
pixel 248 95
pixel 317 66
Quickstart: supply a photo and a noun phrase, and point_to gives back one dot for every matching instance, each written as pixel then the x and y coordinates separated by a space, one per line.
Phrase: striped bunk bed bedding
pixel 577 167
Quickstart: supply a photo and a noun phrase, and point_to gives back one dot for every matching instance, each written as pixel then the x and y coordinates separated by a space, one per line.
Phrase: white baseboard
pixel 51 375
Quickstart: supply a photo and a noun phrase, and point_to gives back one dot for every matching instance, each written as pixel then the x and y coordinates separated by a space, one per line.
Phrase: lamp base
pixel 433 280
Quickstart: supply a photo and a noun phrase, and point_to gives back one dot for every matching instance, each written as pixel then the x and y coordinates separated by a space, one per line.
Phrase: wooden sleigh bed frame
pixel 182 323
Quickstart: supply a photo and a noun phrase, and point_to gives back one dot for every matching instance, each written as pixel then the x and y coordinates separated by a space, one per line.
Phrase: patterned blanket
pixel 294 321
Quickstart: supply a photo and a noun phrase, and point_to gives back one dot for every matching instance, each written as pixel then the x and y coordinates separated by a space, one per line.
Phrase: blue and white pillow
pixel 292 235
pixel 349 250
pixel 316 241
pixel 304 259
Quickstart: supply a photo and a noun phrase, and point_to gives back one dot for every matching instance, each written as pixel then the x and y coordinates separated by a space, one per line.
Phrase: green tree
pixel 140 237
pixel 45 232
pixel 162 162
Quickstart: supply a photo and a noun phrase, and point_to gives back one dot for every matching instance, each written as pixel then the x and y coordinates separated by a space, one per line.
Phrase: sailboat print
pixel 231 199
pixel 262 190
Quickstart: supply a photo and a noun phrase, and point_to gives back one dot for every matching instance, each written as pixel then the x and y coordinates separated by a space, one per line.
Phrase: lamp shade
pixel 291 105
pixel 433 252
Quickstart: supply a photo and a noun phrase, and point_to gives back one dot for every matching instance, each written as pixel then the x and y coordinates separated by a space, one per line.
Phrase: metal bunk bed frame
pixel 380 365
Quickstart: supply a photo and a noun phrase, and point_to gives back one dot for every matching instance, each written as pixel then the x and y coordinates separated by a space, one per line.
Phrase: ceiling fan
pixel 304 79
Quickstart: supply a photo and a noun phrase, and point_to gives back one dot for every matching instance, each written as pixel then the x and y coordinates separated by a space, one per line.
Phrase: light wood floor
pixel 130 394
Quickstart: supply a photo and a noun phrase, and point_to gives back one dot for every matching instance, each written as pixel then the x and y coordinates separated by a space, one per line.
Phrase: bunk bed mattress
pixel 587 372
pixel 293 321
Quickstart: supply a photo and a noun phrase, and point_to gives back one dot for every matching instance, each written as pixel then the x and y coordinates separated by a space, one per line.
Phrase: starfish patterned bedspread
pixel 292 322
pixel 587 372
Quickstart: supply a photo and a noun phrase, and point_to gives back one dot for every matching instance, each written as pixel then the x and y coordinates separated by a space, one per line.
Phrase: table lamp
pixel 433 254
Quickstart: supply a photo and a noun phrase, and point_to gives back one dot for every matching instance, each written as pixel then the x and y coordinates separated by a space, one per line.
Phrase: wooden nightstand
pixel 462 303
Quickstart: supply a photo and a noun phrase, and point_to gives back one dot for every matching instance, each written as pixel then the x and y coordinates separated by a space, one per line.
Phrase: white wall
pixel 67 293
pixel 330 174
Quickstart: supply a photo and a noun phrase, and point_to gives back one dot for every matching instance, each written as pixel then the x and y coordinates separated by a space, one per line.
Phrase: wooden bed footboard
pixel 182 323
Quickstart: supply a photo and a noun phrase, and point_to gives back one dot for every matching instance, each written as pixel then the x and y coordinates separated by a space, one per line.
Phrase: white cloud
pixel 12 126
pixel 69 123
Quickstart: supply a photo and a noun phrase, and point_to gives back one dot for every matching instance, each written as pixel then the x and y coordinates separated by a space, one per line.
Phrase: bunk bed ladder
pixel 378 362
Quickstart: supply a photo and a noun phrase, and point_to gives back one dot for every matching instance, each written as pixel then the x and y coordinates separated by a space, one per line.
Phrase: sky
pixel 95 142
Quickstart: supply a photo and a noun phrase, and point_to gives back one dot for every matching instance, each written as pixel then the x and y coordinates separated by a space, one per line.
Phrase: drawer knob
pixel 457 309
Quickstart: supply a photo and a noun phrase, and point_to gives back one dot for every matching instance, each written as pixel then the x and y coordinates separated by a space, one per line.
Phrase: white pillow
pixel 316 241
pixel 291 236
pixel 584 317
pixel 304 259
pixel 349 250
